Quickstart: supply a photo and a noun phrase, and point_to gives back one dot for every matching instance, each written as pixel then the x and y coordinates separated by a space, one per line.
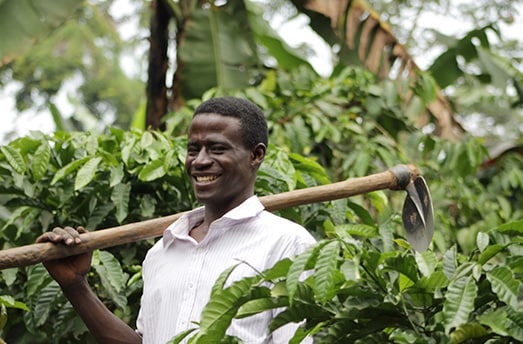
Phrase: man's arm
pixel 70 273
pixel 102 323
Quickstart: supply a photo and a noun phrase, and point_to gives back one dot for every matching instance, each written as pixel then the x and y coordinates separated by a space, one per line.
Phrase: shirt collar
pixel 179 229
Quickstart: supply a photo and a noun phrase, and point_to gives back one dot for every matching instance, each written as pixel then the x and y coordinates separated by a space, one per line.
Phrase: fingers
pixel 66 235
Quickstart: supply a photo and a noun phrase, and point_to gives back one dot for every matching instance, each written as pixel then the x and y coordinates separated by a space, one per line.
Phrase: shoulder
pixel 284 224
pixel 286 229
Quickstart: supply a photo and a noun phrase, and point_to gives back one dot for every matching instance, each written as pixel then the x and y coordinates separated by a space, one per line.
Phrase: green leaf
pixel 138 119
pixel 111 275
pixel 117 175
pixel 362 213
pixel 449 262
pixel 459 302
pixel 435 281
pixel 405 265
pixel 482 240
pixel 326 270
pixel 468 331
pixel 504 285
pixel 256 306
pixel 37 278
pixel 15 215
pixel 9 276
pixel 40 163
pixel 511 228
pixel 14 158
pixel 68 169
pixel 115 274
pixel 153 170
pixel 181 336
pixel 61 123
pixel 221 308
pixel 10 302
pixel 359 230
pixel 146 140
pixel 98 215
pixel 310 167
pixel 23 22
pixel 427 262
pixel 286 56
pixel 279 270
pixel 299 266
pixel 44 302
pixel 222 279
pixel 86 173
pixel 120 197
pixel 504 321
pixel 299 312
pixel 218 49
pixel 490 252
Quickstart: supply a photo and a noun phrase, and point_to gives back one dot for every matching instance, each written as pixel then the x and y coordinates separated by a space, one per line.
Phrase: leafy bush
pixel 366 283
pixel 367 286
pixel 101 181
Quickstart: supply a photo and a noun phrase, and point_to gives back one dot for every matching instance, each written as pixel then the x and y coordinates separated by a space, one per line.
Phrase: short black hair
pixel 252 118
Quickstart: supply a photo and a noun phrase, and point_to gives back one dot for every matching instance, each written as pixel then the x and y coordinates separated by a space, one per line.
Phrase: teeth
pixel 205 178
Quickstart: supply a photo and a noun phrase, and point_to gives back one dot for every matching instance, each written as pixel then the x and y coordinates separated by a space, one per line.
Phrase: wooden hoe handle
pixel 395 178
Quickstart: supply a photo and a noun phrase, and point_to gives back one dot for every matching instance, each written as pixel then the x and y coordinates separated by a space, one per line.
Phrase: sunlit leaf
pixel 326 270
pixel 299 266
pixel 40 163
pixel 14 158
pixel 153 170
pixel 68 169
pixel 505 285
pixel 86 173
pixel 468 331
pixel 459 302
pixel 120 197
pixel 427 262
pixel 504 321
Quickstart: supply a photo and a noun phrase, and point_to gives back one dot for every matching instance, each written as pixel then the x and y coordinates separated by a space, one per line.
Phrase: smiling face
pixel 221 168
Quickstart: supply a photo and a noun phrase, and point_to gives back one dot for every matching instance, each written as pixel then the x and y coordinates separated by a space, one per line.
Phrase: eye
pixel 192 150
pixel 218 149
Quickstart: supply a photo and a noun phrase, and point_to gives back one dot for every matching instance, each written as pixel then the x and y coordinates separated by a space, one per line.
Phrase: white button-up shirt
pixel 179 273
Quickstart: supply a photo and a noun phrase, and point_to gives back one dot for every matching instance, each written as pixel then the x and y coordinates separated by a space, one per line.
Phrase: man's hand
pixel 68 271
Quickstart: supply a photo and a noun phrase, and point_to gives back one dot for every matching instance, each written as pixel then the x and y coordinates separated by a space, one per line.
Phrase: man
pixel 227 142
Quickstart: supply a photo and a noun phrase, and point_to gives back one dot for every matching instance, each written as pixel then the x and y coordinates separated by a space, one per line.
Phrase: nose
pixel 202 159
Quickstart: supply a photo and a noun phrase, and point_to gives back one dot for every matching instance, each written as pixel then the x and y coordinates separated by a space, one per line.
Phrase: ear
pixel 258 154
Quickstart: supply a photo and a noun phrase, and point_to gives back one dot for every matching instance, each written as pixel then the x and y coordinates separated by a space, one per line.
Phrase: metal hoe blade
pixel 418 214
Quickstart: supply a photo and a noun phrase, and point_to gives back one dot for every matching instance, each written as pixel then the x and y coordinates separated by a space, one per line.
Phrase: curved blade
pixel 418 215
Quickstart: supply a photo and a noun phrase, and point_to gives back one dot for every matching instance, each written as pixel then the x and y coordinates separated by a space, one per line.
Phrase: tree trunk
pixel 158 63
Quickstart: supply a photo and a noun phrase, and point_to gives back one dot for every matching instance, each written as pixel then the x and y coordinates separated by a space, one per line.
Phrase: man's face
pixel 221 169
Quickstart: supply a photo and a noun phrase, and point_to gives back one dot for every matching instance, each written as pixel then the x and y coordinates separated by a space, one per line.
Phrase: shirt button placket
pixel 189 292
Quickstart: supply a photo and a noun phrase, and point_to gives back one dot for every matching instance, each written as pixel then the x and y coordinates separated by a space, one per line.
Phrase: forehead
pixel 215 124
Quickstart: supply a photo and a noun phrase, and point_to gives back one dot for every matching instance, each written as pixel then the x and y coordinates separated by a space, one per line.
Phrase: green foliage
pixel 376 289
pixel 365 283
pixel 84 51
pixel 99 181
pixel 348 122
pixel 28 22
pixel 485 81
pixel 364 289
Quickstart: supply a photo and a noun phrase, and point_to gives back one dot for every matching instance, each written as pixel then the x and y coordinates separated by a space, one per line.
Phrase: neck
pixel 214 212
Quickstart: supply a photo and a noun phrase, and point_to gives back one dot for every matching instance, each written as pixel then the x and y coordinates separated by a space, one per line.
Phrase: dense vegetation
pixel 367 283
